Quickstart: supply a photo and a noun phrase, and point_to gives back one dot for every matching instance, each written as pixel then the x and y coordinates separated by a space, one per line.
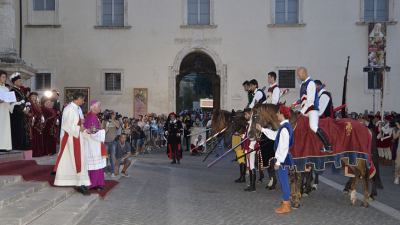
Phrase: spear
pixel 345 88
pixel 216 144
pixel 215 135
pixel 226 153
pixel 199 132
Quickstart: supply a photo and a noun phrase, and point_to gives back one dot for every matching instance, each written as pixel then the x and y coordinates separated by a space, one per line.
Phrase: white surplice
pixel 66 171
pixel 5 128
pixel 93 143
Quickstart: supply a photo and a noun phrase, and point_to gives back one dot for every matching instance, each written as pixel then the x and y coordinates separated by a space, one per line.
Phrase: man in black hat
pixel 173 130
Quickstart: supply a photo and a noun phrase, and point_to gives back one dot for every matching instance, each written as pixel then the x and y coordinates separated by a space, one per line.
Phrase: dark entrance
pixel 197 79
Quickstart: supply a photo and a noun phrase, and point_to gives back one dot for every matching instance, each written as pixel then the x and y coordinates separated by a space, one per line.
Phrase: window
pixel 43 81
pixel 374 80
pixel 286 11
pixel 44 5
pixel 376 10
pixel 113 13
pixel 198 12
pixel 287 78
pixel 112 82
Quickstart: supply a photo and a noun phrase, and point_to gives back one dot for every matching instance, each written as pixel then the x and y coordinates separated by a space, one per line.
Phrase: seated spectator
pixel 122 155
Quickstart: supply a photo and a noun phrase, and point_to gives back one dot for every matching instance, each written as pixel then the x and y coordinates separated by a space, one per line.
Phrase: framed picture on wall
pixel 140 97
pixel 70 91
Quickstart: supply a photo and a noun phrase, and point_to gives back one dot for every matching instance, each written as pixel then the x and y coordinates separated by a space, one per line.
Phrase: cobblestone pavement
pixel 160 193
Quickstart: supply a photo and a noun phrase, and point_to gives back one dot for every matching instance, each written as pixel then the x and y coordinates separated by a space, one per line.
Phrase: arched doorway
pixel 197 79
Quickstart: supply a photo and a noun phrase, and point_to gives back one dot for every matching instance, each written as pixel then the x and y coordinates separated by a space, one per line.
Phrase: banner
pixel 376 45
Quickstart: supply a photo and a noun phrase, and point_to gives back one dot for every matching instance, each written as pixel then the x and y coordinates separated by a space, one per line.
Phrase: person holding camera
pixel 111 126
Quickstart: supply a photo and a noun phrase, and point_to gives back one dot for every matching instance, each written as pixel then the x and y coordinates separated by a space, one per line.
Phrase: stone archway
pixel 220 71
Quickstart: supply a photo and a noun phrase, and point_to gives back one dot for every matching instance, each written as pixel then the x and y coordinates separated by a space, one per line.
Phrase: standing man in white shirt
pixel 284 139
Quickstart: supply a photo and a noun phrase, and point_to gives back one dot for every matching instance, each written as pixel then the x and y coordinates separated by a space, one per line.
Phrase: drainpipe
pixel 20 29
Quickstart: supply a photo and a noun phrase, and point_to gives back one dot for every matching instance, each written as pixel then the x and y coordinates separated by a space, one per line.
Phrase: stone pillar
pixel 7 31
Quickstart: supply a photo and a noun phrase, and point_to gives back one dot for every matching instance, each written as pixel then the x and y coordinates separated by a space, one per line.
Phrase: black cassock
pixel 174 148
pixel 19 135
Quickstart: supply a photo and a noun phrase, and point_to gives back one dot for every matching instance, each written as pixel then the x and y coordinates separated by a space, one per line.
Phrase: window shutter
pixel 38 4
pixel 43 81
pixel 118 13
pixel 287 78
pixel 50 5
pixel 293 11
pixel 374 81
pixel 382 10
pixel 280 11
pixel 204 12
pixel 107 13
pixel 193 12
pixel 368 10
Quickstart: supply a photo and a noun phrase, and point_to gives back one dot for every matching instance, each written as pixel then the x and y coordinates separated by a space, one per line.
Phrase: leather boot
pixel 252 184
pixel 242 177
pixel 254 180
pixel 324 138
pixel 272 180
pixel 285 208
pixel 261 177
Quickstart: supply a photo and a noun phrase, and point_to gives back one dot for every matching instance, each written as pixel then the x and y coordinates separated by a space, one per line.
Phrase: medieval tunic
pixel 36 124
pixel 19 135
pixel 259 97
pixel 283 141
pixel 71 164
pixel 5 131
pixel 325 104
pixel 174 131
pixel 50 130
pixel 96 153
pixel 310 103
pixel 273 94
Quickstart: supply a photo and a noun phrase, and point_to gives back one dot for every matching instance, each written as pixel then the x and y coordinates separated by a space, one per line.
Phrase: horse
pixel 265 115
pixel 232 122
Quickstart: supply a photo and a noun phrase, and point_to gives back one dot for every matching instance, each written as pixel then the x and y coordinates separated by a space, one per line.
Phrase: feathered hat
pixel 15 76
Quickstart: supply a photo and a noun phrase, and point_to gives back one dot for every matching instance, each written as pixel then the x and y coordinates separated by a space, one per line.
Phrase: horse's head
pixel 265 115
pixel 233 122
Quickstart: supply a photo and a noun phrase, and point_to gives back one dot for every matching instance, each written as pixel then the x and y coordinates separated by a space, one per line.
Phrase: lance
pixel 242 156
pixel 209 153
pixel 199 132
pixel 343 111
pixel 226 153
pixel 215 135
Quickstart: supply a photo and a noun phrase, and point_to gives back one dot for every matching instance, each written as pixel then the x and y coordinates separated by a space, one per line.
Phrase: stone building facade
pixel 114 46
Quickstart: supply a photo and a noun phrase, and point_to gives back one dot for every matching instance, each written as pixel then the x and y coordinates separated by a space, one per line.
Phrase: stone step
pixel 12 193
pixel 11 156
pixel 9 180
pixel 69 212
pixel 33 206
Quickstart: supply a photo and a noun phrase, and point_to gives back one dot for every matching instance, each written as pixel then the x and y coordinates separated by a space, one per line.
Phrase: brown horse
pixel 265 115
pixel 234 122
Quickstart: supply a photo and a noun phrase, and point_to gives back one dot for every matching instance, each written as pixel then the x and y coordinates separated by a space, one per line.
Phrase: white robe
pixel 5 128
pixel 66 171
pixel 92 143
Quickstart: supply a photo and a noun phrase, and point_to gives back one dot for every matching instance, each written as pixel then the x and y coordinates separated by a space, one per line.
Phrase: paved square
pixel 160 193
